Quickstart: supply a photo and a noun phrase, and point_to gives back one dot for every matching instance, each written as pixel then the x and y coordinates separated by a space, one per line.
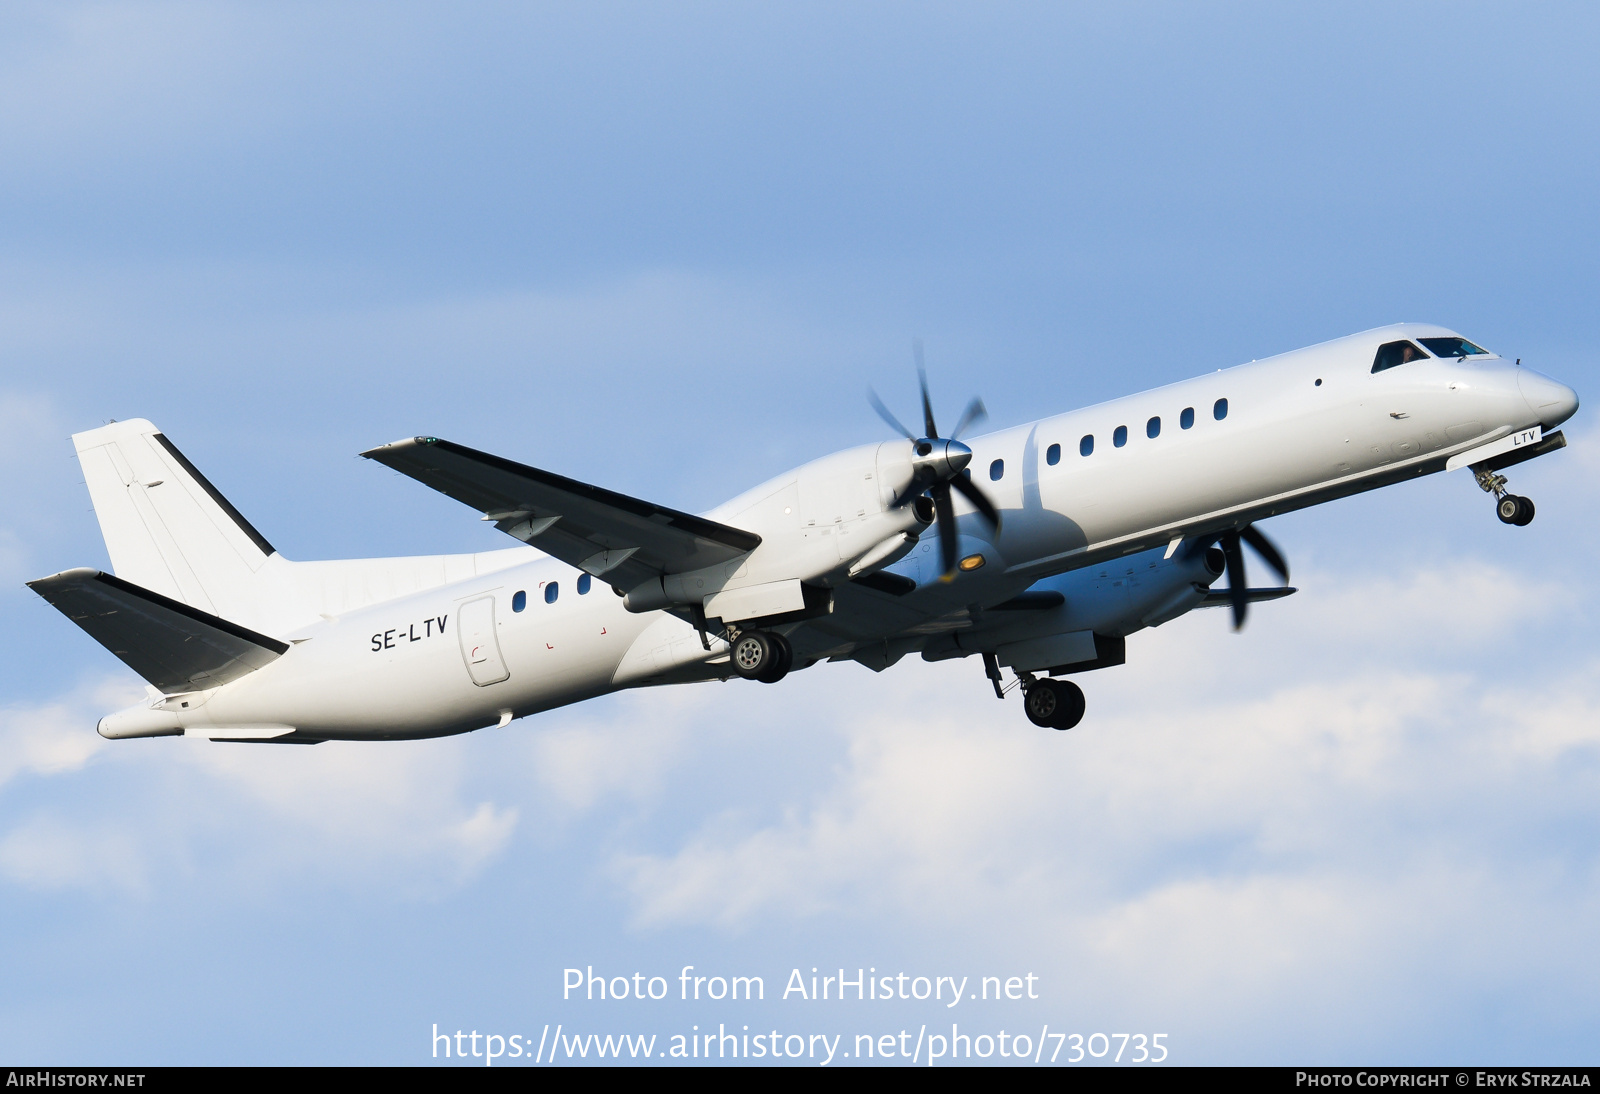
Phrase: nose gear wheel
pixel 1510 508
pixel 1514 509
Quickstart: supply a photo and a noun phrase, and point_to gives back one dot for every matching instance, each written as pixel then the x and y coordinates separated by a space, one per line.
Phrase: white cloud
pixel 479 838
pixel 1213 838
pixel 359 815
pixel 1237 817
pixel 50 848
pixel 59 737
pixel 386 814
pixel 1550 724
pixel 626 755
pixel 1463 605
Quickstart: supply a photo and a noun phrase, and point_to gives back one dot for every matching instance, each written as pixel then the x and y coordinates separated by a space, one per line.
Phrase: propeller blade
pixel 979 500
pixel 946 514
pixel 883 412
pixel 914 490
pixel 1266 549
pixel 975 413
pixel 1238 585
pixel 927 404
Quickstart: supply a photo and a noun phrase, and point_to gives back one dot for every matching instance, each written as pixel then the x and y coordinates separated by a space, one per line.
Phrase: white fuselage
pixel 1298 429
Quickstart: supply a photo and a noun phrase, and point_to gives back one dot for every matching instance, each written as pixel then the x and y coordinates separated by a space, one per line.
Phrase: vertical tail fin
pixel 169 531
pixel 167 528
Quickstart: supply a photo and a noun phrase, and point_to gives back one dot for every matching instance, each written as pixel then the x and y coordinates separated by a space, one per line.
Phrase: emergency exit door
pixel 480 646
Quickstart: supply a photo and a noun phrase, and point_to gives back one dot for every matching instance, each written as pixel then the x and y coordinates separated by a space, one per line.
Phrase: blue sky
pixel 665 250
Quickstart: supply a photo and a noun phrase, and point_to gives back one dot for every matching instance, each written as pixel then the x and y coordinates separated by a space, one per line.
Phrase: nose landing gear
pixel 1510 508
pixel 1514 509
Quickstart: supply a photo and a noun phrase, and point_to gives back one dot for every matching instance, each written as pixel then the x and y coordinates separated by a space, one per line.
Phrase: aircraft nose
pixel 1553 402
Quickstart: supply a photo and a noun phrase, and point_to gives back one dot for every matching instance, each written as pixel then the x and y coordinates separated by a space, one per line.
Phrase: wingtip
pixel 403 442
pixel 77 573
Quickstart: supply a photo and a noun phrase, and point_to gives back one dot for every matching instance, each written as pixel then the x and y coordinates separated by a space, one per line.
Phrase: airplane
pixel 1039 549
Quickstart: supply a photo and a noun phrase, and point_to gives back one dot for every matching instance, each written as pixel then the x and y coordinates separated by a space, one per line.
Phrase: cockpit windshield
pixel 1452 347
pixel 1391 354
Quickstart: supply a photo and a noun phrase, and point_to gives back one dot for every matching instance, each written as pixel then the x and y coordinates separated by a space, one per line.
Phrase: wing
pixel 610 535
pixel 1221 598
pixel 175 647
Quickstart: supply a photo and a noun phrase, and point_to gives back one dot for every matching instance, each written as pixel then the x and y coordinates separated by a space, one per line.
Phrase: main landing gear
pixel 1510 508
pixel 1050 704
pixel 1053 704
pixel 761 655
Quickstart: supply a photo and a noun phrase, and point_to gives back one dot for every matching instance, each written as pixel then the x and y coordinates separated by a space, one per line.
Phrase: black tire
pixel 783 660
pixel 754 654
pixel 1508 509
pixel 1070 704
pixel 1054 704
pixel 1039 702
pixel 1526 516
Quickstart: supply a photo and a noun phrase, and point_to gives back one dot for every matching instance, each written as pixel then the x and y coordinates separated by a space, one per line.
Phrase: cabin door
pixel 480 646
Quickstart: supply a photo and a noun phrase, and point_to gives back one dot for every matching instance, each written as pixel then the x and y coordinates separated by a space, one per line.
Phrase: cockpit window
pixel 1452 347
pixel 1391 354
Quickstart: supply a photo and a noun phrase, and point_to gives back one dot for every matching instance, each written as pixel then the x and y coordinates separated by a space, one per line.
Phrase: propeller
pixel 1233 560
pixel 937 464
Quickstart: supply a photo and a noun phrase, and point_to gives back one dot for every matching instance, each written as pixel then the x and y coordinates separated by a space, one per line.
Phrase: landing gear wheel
pixel 760 655
pixel 783 663
pixel 1514 509
pixel 1054 704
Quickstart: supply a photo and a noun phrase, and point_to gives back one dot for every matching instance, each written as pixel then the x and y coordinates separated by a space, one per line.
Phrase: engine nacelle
pixel 832 520
pixel 1108 601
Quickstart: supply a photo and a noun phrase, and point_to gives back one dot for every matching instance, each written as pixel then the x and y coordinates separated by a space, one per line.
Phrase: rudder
pixel 166 527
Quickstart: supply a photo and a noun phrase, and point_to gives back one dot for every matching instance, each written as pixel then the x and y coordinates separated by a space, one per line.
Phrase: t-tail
pixel 167 529
pixel 199 597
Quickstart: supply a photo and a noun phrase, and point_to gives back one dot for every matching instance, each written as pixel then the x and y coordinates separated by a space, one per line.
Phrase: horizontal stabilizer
pixel 175 647
pixel 1221 598
pixel 624 540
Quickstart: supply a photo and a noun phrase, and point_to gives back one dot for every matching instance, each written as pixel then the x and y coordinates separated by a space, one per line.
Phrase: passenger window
pixel 1392 354
pixel 996 469
pixel 519 600
pixel 1119 436
pixel 1086 446
pixel 551 591
pixel 584 580
pixel 1152 428
pixel 1452 347
pixel 1186 419
pixel 1052 455
pixel 1220 410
